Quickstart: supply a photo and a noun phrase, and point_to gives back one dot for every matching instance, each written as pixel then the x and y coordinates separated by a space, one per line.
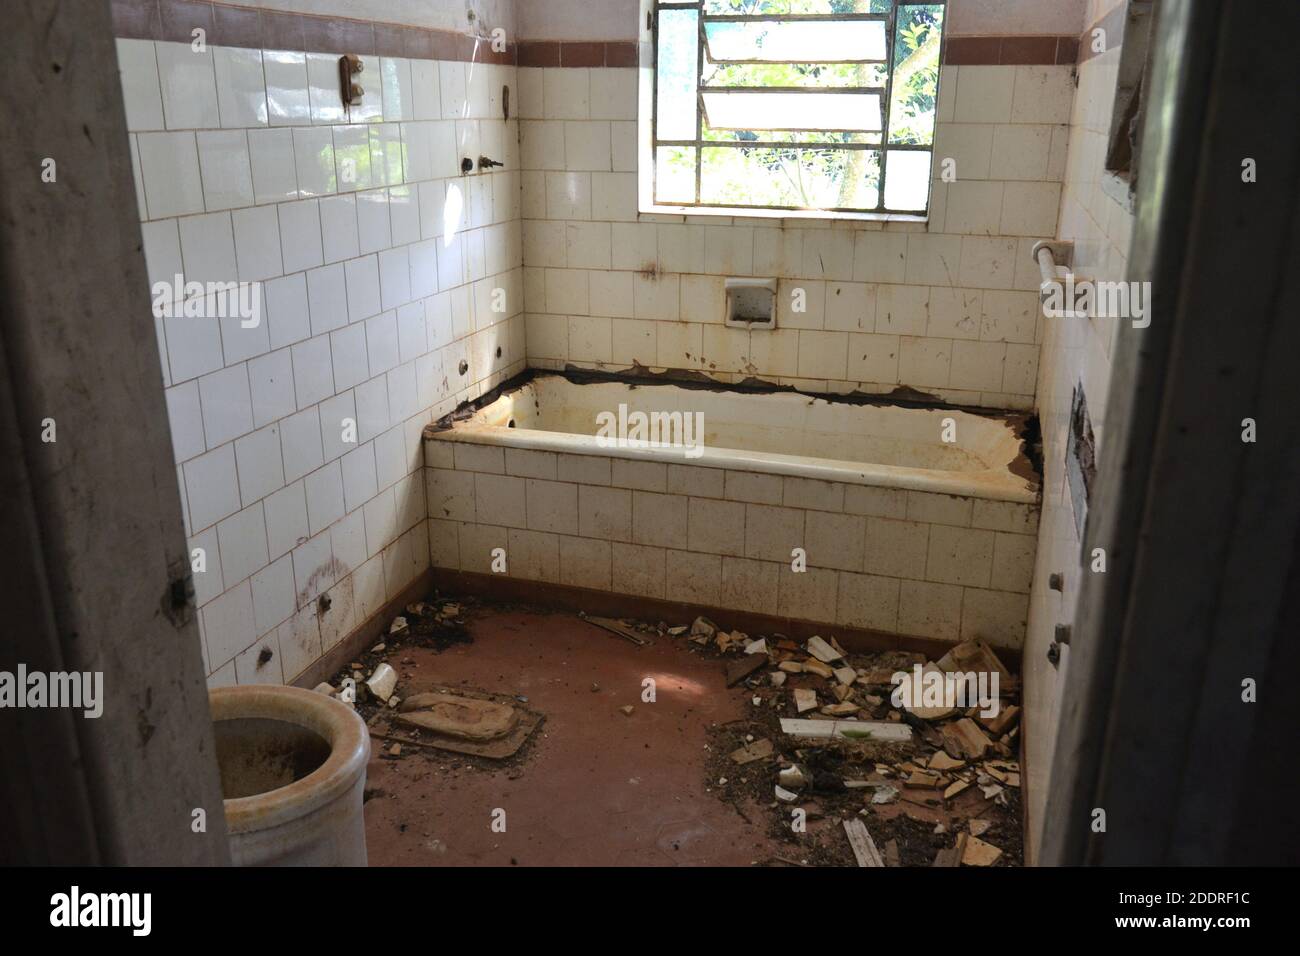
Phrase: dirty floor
pixel 593 786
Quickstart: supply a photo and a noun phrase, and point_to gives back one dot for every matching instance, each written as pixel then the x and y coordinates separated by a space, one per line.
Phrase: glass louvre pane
pixel 915 90
pixel 907 179
pixel 815 179
pixel 815 75
pixel 793 111
pixel 807 41
pixel 675 174
pixel 676 68
pixel 787 136
pixel 786 7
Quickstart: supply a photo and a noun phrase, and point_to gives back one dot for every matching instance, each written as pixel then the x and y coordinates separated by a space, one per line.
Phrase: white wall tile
pixel 257 243
pixel 348 350
pixel 338 220
pixel 404 214
pixel 373 229
pixel 313 370
pixel 327 298
pixel 273 594
pixel 286 88
pixel 211 486
pixel 371 399
pixel 984 94
pixel 227 405
pixel 169 163
pixel 228 624
pixel 363 297
pixel 337 424
pixel 242 537
pixel 241 87
pixel 141 94
pixel 189 87
pixel 274 171
pixel 425 97
pixel 394 278
pixel 323 89
pixel 287 310
pixel 315 161
pixel 193 347
pixel 286 519
pixel 208 248
pixel 351 158
pixel 313 568
pixel 324 489
pixel 300 235
pixel 205 567
pixel 300 443
pixel 396 88
pixel 186 417
pixel 261 468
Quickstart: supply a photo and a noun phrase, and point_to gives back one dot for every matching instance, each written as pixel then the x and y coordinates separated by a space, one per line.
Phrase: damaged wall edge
pixel 1201 529
pixel 1026 424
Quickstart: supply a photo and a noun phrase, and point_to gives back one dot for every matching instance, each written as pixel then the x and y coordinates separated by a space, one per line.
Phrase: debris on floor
pixel 836 765
pixel 625 631
pixel 462 721
pixel 451 719
pixel 937 782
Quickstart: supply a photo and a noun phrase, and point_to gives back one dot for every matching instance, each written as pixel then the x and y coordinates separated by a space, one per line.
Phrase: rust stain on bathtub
pixel 1026 466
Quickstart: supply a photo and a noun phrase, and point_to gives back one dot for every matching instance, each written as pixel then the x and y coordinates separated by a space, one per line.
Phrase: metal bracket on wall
pixel 1061 639
pixel 350 91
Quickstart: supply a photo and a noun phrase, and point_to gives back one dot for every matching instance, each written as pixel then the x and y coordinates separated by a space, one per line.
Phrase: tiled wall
pixel 1075 351
pixel 372 304
pixel 948 307
pixel 936 566
pixel 376 293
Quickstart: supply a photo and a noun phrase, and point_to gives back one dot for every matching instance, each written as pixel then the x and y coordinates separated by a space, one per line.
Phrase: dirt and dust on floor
pixel 621 742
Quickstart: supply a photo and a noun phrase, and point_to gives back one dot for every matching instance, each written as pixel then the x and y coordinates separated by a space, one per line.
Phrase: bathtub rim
pixel 1001 487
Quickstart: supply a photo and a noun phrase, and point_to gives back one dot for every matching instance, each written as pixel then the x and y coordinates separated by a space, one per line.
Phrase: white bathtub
pixel 899 530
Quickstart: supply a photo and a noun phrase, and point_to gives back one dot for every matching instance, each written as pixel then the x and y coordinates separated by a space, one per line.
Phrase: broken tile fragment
pixel 819 649
pixel 963 739
pixel 979 853
pixel 757 750
pixel 817 667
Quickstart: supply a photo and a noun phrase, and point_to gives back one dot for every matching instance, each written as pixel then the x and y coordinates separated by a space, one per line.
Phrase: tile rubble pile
pixel 836 734
pixel 369 684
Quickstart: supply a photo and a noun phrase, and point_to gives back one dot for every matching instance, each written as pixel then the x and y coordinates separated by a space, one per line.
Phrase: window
pixel 808 105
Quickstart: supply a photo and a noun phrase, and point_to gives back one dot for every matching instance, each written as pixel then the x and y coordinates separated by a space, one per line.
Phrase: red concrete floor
pixel 593 787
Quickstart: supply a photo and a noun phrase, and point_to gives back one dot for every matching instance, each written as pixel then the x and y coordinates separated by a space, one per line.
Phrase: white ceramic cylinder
pixel 293 770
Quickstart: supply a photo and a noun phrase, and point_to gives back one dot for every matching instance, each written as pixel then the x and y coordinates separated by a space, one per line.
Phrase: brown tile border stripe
pixel 228 25
pixel 577 53
pixel 1112 24
pixel 1011 50
pixel 613 604
pixel 966 50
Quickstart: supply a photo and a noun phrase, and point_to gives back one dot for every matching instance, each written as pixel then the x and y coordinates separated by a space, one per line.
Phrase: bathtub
pixel 853 514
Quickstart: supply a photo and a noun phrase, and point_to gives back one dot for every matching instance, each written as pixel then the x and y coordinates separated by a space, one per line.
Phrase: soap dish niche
pixel 751 303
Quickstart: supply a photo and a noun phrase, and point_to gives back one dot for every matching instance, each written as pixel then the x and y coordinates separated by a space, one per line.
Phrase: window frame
pixel 650 141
